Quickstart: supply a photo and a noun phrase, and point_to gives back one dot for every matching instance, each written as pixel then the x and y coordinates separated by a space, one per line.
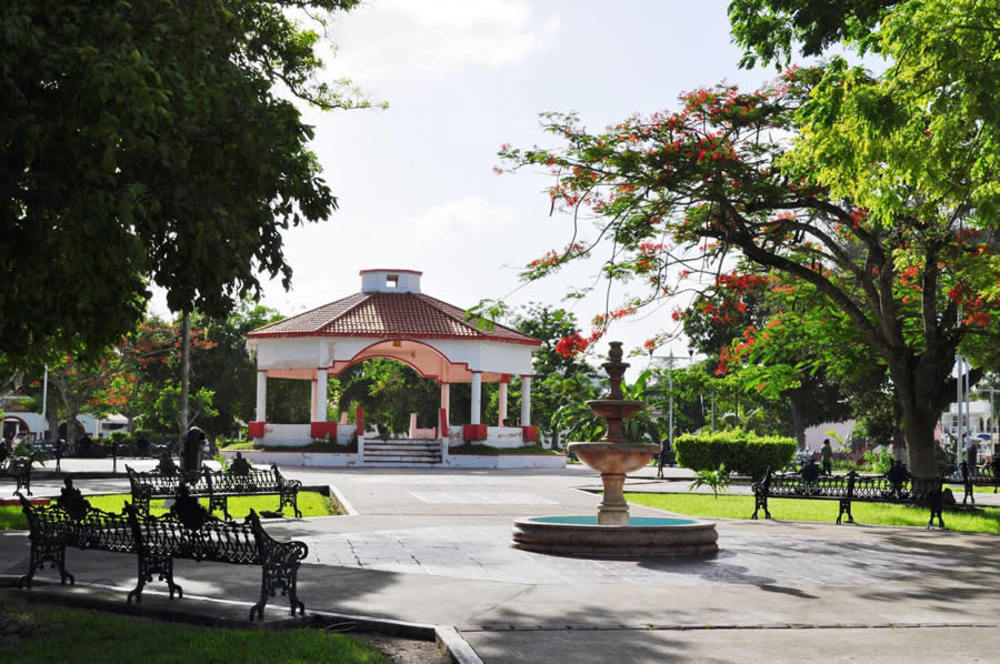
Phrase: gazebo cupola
pixel 390 317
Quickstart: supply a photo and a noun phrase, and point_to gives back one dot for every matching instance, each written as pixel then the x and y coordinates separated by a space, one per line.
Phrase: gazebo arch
pixel 391 318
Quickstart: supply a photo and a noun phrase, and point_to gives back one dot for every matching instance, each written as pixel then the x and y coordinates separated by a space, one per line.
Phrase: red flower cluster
pixel 572 346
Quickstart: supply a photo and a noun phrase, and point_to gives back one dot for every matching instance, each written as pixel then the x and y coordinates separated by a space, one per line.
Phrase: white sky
pixel 414 182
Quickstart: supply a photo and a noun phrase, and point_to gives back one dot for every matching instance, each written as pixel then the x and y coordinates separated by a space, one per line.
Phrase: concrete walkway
pixel 433 547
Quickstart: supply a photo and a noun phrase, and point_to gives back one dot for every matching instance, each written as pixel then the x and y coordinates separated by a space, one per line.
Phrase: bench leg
pixel 219 502
pixel 55 555
pixel 291 499
pixel 936 509
pixel 274 578
pixel 969 494
pixel 164 567
pixel 760 502
pixel 845 508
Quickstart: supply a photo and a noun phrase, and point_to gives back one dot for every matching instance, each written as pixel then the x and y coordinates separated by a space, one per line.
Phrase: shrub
pixel 120 437
pixel 743 453
pixel 879 462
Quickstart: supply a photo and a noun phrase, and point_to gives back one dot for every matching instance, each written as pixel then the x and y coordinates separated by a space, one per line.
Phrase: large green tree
pixel 560 378
pixel 876 192
pixel 147 142
pixel 718 321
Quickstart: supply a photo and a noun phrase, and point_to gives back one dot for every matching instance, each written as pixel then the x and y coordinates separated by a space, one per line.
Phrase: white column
pixel 312 401
pixel 502 405
pixel 320 392
pixel 477 397
pixel 525 401
pixel 261 396
pixel 413 425
pixel 446 402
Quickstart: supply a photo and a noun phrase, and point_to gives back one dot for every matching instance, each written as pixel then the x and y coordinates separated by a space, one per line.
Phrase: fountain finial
pixel 616 369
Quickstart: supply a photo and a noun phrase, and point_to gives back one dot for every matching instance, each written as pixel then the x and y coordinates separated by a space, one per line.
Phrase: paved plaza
pixel 433 547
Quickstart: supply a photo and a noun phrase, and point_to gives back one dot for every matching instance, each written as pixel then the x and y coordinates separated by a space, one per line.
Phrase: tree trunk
pixel 919 389
pixel 185 373
pixel 899 447
pixel 798 425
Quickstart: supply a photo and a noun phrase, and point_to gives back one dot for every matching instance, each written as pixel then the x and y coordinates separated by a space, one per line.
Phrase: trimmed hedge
pixel 743 453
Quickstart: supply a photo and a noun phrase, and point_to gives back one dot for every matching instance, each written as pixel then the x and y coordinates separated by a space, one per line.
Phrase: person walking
pixel 826 456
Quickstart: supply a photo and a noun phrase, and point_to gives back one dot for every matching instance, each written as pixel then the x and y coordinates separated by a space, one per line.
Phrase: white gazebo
pixel 391 318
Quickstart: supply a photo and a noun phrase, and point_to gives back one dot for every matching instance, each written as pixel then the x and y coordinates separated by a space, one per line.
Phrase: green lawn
pixel 789 509
pixel 77 635
pixel 311 503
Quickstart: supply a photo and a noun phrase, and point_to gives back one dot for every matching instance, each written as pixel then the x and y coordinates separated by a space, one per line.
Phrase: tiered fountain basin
pixel 643 537
pixel 612 534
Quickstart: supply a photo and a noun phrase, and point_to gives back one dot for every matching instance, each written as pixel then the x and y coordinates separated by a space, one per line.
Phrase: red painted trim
pixel 529 434
pixel 323 430
pixel 388 269
pixel 360 420
pixel 401 335
pixel 472 432
pixel 27 429
pixel 504 378
pixel 256 429
pixel 443 418
pixel 357 358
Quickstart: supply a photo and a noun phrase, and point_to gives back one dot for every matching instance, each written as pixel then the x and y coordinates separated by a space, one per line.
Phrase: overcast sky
pixel 415 182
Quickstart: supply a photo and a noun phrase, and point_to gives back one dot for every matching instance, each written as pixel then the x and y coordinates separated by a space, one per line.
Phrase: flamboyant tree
pixel 142 366
pixel 910 278
pixel 737 320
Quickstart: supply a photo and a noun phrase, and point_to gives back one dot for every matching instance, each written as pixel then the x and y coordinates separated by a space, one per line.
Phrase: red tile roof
pixel 393 315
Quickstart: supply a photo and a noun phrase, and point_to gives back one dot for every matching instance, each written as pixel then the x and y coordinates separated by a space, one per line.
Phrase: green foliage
pixel 771 30
pixel 142 144
pixel 879 462
pixel 223 462
pixel 743 453
pixel 560 380
pixel 717 479
pixel 389 391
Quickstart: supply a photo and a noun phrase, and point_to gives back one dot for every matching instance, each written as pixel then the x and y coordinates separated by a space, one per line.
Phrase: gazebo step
pixel 426 458
pixel 418 458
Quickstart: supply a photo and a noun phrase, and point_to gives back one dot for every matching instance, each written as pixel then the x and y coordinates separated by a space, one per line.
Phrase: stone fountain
pixel 613 533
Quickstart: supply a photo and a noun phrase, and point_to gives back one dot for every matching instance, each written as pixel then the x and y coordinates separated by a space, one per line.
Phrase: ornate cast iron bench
pixel 19 469
pixel 895 486
pixel 188 532
pixel 218 486
pixel 988 475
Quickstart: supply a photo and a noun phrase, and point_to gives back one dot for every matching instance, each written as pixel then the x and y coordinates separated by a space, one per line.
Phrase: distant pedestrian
pixel 826 456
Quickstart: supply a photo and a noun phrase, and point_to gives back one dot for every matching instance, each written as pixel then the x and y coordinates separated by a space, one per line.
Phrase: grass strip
pixel 311 503
pixel 57 635
pixel 791 509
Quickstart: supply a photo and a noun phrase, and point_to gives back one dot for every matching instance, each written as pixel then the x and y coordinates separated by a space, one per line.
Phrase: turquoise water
pixel 633 521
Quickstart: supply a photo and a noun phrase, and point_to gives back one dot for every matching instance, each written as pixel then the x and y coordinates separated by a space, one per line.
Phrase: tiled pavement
pixel 433 547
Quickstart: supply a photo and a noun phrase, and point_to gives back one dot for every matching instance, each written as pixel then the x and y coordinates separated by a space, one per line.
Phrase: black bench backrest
pixel 168 485
pixel 94 529
pixel 215 540
pixel 263 479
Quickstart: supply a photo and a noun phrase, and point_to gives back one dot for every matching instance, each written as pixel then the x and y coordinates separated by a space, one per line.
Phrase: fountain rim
pixel 688 524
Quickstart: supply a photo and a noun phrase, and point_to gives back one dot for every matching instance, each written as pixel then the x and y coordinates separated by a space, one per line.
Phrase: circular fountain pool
pixel 643 537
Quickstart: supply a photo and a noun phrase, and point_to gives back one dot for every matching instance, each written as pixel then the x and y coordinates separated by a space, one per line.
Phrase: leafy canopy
pixel 149 142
